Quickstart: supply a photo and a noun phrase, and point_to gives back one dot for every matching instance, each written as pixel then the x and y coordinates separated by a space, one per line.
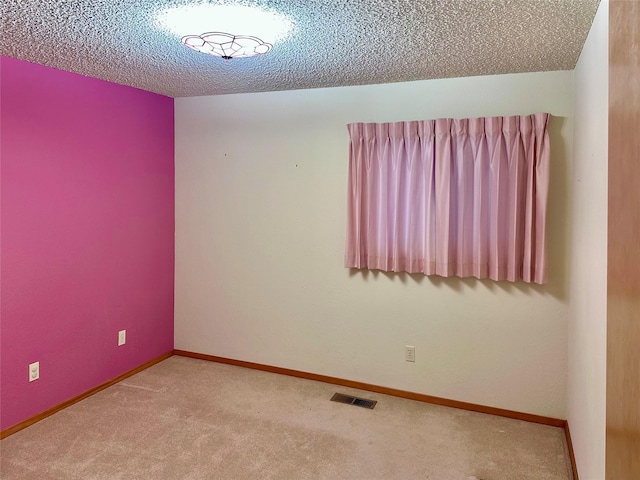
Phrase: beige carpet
pixel 191 419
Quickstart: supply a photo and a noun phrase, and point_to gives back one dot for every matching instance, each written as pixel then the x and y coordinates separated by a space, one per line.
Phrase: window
pixel 450 197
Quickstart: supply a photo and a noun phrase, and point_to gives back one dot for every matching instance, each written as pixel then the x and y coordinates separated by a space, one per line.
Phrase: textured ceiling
pixel 334 42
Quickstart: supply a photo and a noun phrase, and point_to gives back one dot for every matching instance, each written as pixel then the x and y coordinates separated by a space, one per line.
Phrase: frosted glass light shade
pixel 268 25
pixel 226 45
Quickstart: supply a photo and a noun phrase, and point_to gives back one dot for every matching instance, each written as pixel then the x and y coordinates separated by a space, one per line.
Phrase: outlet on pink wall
pixel 87 233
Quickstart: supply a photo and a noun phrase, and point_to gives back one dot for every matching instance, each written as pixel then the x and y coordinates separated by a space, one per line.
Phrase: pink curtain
pixel 450 197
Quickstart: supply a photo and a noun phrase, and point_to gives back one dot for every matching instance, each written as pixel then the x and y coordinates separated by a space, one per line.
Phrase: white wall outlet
pixel 34 371
pixel 122 337
pixel 410 353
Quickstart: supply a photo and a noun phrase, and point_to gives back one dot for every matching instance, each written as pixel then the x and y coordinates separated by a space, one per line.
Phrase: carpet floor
pixel 188 419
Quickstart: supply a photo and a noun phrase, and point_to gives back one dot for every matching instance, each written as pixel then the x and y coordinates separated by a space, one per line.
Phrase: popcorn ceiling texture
pixel 334 42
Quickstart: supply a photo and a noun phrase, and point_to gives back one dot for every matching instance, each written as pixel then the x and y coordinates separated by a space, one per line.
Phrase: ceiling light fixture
pixel 255 29
pixel 226 45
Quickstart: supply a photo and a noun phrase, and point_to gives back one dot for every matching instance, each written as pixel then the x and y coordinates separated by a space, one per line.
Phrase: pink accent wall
pixel 87 233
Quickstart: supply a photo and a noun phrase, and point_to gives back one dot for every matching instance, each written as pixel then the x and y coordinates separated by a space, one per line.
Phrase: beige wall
pixel 260 222
pixel 588 307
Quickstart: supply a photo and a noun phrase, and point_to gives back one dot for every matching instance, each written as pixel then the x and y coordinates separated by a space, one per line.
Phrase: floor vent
pixel 349 400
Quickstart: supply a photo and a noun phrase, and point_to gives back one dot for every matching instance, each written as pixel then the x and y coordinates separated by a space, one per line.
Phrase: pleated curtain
pixel 450 197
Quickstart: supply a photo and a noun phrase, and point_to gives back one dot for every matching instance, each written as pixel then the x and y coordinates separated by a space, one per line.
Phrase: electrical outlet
pixel 122 337
pixel 410 353
pixel 34 371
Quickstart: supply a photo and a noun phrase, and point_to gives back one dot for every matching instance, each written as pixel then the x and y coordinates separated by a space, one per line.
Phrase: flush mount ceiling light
pixel 229 31
pixel 226 45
